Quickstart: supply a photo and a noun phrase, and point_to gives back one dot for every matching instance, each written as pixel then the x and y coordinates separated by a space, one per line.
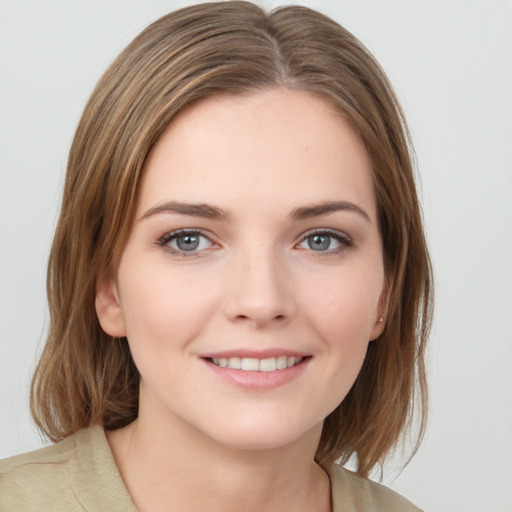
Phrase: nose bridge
pixel 259 290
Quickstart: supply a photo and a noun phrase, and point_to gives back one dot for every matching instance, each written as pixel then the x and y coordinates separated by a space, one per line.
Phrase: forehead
pixel 276 145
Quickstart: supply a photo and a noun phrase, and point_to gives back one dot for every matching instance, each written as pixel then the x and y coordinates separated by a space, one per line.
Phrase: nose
pixel 259 289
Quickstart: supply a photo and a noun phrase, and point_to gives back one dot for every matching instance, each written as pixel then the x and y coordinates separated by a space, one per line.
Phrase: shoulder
pixel 42 473
pixel 76 474
pixel 355 494
pixel 54 455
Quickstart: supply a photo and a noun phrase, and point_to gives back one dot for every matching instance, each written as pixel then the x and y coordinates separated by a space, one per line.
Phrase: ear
pixel 108 307
pixel 382 312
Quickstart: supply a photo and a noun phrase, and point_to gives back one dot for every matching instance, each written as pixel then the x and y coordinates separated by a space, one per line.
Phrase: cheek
pixel 344 305
pixel 162 307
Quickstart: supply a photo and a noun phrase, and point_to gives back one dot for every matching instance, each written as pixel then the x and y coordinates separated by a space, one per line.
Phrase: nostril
pixel 277 318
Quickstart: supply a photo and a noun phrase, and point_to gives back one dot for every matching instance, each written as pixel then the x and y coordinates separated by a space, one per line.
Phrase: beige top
pixel 80 474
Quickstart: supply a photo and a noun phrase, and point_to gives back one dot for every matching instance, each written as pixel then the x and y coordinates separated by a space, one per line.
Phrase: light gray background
pixel 451 64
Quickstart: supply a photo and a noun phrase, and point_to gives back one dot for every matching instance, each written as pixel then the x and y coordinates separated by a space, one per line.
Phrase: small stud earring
pixel 381 319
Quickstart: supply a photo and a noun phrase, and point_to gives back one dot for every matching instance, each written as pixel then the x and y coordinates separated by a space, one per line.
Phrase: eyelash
pixel 173 235
pixel 343 239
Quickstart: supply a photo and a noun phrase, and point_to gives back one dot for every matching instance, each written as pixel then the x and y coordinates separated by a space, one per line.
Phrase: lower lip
pixel 259 381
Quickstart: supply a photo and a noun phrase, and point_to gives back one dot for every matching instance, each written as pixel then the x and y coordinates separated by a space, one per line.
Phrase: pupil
pixel 319 242
pixel 187 242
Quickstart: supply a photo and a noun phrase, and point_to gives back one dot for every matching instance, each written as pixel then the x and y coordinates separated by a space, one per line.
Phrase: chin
pixel 267 435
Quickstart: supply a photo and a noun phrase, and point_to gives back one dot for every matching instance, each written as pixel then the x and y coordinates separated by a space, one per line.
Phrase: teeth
pixel 234 362
pixel 250 364
pixel 270 364
pixel 281 362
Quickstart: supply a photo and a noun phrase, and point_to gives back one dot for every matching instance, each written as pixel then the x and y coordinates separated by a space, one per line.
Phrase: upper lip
pixel 254 354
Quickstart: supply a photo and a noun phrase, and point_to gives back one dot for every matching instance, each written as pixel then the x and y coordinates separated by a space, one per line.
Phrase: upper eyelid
pixel 170 235
pixel 187 231
pixel 326 231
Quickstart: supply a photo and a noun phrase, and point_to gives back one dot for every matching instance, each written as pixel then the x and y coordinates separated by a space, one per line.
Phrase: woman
pixel 239 286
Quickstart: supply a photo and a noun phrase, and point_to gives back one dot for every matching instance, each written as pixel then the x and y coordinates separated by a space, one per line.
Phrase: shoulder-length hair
pixel 86 377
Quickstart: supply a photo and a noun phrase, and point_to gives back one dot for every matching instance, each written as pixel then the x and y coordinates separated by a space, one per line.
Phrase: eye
pixel 325 241
pixel 185 241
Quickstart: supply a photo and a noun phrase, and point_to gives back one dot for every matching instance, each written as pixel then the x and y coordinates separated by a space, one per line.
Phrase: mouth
pixel 257 372
pixel 252 364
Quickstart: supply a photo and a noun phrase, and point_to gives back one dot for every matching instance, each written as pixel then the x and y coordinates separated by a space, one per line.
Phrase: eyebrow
pixel 306 212
pixel 205 211
pixel 208 211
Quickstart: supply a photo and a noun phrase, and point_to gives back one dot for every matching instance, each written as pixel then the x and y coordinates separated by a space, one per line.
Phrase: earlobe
pixel 378 328
pixel 380 321
pixel 108 308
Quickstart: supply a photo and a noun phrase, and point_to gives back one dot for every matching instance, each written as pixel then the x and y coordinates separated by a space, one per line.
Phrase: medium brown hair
pixel 86 377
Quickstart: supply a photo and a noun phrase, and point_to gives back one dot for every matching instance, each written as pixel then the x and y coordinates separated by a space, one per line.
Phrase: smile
pixel 252 364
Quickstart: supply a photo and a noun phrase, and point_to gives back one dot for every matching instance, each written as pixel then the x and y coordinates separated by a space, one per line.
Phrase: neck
pixel 163 464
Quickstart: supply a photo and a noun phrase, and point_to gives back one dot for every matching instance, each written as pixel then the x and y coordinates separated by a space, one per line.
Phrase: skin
pixel 255 283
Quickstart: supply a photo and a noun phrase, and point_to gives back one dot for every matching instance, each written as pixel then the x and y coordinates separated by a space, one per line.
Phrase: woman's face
pixel 252 280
